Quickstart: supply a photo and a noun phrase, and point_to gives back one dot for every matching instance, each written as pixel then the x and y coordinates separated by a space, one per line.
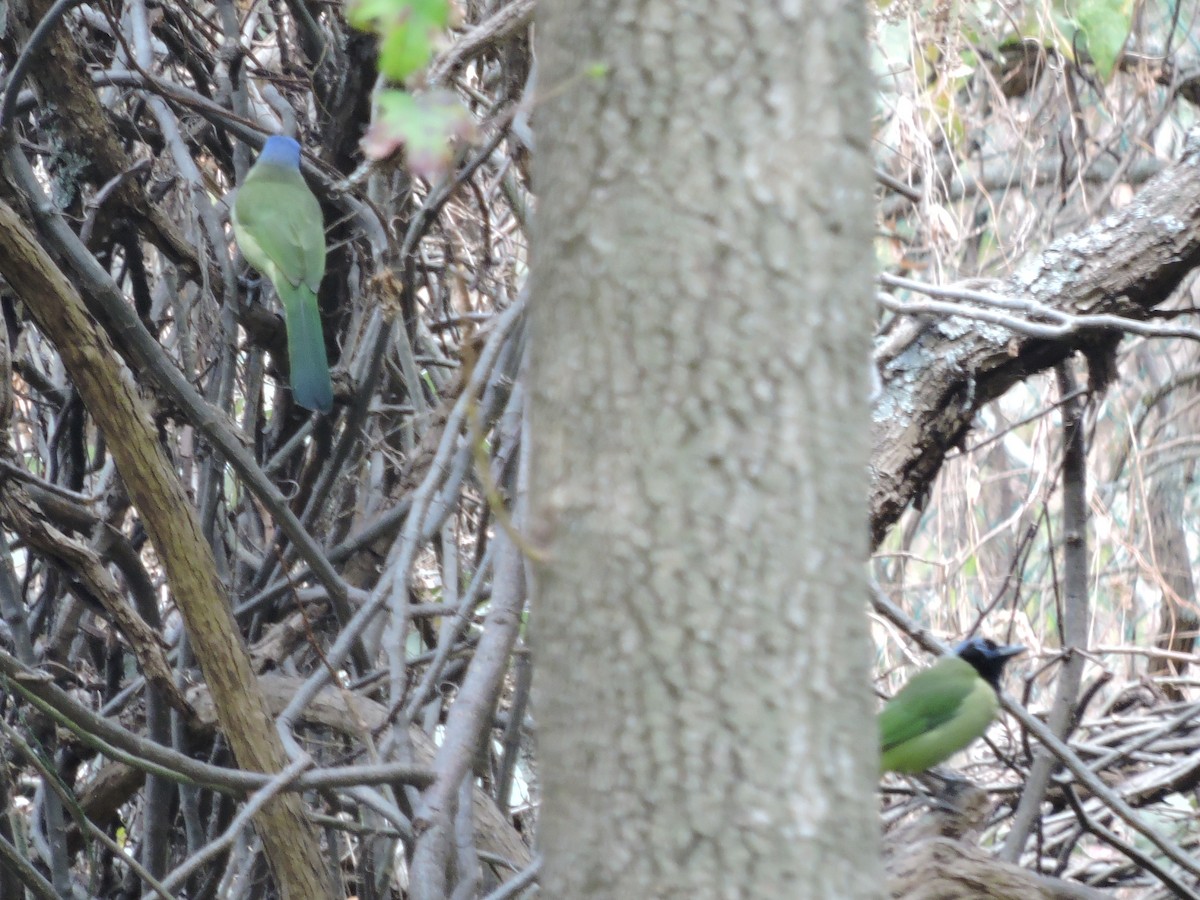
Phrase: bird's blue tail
pixel 306 351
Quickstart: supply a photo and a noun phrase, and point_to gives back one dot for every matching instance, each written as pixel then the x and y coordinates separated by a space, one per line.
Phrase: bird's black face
pixel 988 657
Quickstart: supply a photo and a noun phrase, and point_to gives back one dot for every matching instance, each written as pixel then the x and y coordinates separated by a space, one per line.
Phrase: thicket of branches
pixel 1014 168
pixel 373 560
pixel 359 551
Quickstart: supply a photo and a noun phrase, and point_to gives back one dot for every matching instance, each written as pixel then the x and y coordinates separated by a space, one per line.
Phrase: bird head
pixel 280 151
pixel 987 657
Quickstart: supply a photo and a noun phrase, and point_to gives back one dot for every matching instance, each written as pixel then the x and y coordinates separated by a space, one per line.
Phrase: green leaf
pixel 1105 25
pixel 406 29
pixel 423 125
pixel 383 15
pixel 435 13
pixel 405 50
pixel 366 14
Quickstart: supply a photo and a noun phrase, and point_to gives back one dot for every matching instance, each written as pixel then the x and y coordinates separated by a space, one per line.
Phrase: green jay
pixel 944 708
pixel 278 225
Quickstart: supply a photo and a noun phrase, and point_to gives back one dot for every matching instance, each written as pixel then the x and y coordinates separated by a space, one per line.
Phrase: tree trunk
pixel 701 319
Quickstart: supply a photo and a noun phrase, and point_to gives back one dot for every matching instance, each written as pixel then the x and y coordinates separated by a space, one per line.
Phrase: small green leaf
pixel 1105 26
pixel 406 30
pixel 405 50
pixel 435 13
pixel 423 125
pixel 365 15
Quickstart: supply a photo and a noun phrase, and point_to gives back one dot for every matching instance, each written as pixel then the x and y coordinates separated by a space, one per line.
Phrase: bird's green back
pixel 276 207
pixel 278 224
pixel 938 712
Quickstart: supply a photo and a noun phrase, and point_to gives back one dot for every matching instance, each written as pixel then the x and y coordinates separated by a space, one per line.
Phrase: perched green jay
pixel 277 222
pixel 944 708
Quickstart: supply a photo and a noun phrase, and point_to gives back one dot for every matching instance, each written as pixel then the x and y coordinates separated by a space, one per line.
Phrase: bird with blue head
pixel 278 225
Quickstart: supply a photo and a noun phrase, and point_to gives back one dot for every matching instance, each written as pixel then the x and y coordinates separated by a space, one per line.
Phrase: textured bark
pixel 944 869
pixel 936 858
pixel 19 511
pixel 700 320
pixel 937 379
pixel 1075 571
pixel 64 85
pixel 171 522
pixel 1178 620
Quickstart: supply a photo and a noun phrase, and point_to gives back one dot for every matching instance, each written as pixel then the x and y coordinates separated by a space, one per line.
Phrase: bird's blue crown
pixel 280 151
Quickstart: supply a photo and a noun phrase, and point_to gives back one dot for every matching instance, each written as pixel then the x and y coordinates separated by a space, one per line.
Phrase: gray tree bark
pixel 701 320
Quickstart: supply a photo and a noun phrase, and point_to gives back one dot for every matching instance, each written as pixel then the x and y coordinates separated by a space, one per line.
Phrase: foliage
pixel 424 124
pixel 407 30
